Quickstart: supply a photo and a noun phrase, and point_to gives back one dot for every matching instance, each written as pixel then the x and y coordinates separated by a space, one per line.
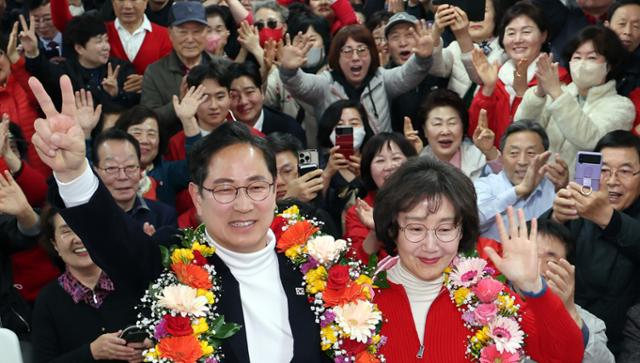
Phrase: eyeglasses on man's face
pixel 129 170
pixel 624 173
pixel 227 193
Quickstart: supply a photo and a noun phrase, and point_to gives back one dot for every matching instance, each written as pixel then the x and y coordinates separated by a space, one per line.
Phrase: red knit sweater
pixel 357 232
pixel 500 110
pixel 552 335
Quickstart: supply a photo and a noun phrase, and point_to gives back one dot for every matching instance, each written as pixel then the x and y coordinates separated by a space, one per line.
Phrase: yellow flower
pixel 376 339
pixel 211 298
pixel 328 336
pixel 482 335
pixel 460 295
pixel 205 250
pixel 364 280
pixel 181 255
pixel 200 326
pixel 505 302
pixel 292 211
pixel 293 251
pixel 206 348
pixel 316 279
pixel 152 355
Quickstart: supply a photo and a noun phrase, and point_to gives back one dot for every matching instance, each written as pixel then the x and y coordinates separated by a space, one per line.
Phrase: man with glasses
pixel 233 177
pixel 49 38
pixel 165 78
pixel 606 226
pixel 116 161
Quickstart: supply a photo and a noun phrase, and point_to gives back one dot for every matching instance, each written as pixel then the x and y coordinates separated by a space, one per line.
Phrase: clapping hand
pixel 561 277
pixel 12 199
pixel 557 172
pixel 519 261
pixel 293 56
pixel 520 83
pixel 249 39
pixel 110 83
pixel 412 135
pixel 87 115
pixel 59 139
pixel 365 214
pixel 483 137
pixel 547 76
pixel 488 72
pixel 533 176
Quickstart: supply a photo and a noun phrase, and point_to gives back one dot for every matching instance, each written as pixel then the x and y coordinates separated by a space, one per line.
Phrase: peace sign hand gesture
pixel 519 261
pixel 110 83
pixel 412 135
pixel 59 139
pixel 483 137
pixel 28 37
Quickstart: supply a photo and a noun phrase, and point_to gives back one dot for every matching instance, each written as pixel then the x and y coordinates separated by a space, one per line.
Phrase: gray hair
pixel 272 5
pixel 525 125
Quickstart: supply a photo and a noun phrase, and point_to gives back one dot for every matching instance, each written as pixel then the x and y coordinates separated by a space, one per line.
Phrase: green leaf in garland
pixel 380 280
pixel 166 258
pixel 223 329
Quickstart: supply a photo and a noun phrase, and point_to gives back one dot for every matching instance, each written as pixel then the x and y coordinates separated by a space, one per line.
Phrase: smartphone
pixel 344 139
pixel 133 334
pixel 308 161
pixel 473 8
pixel 588 169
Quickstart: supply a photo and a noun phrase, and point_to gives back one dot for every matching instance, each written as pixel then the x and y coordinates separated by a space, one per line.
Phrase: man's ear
pixel 196 197
pixel 606 23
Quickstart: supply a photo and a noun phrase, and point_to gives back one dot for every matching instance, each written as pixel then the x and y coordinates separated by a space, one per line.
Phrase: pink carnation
pixel 484 313
pixel 490 354
pixel 487 289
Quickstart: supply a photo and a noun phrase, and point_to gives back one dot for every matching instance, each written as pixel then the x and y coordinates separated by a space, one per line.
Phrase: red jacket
pixel 156 44
pixel 500 111
pixel 344 14
pixel 18 102
pixel 357 232
pixel 552 335
pixel 635 98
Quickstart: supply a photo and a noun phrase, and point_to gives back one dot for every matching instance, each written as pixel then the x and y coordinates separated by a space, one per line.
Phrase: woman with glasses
pixel 355 73
pixel 426 215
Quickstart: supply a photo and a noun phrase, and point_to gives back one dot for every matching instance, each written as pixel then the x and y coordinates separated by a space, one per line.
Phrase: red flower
pixel 352 346
pixel 340 289
pixel 338 277
pixel 295 235
pixel 178 325
pixel 199 259
pixel 185 349
pixel 276 226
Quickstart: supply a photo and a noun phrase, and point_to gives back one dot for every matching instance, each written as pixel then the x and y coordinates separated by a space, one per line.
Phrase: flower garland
pixel 179 308
pixel 340 290
pixel 487 310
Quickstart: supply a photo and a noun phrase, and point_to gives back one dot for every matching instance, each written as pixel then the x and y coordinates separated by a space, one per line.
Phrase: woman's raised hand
pixel 294 55
pixel 519 261
pixel 488 72
pixel 59 139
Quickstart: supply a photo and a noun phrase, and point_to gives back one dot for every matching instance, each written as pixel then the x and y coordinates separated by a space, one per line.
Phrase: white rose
pixel 325 248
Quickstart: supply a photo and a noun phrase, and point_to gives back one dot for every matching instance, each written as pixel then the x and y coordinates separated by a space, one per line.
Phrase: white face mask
pixel 76 10
pixel 314 57
pixel 586 74
pixel 358 137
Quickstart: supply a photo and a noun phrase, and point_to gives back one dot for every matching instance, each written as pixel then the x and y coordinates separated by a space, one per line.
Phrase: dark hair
pixel 360 34
pixel 108 108
pixel 549 228
pixel 228 134
pixel 619 139
pixel 524 8
pixel 112 134
pixel 444 98
pixel 618 4
pixel 48 233
pixel 374 146
pixel 499 8
pixel 302 22
pixel 525 125
pixel 4 42
pixel 284 142
pixel 379 18
pixel 34 4
pixel 332 115
pixel 245 69
pixel 137 115
pixel 216 70
pixel 606 43
pixel 420 178
pixel 21 144
pixel 80 30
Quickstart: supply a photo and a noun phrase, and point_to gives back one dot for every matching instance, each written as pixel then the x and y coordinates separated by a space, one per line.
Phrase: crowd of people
pixel 417 132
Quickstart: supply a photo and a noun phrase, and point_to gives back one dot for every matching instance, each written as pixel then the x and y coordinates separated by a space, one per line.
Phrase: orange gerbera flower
pixel 351 292
pixel 192 275
pixel 366 357
pixel 184 349
pixel 295 235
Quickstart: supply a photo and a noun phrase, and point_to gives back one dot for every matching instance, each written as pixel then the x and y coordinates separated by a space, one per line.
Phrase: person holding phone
pixel 579 114
pixel 79 317
pixel 606 225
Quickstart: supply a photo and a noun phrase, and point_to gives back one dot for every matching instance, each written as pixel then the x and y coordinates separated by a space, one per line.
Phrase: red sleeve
pixel 19 72
pixel 357 232
pixel 635 98
pixel 33 184
pixel 286 3
pixel 552 335
pixel 60 14
pixel 26 119
pixel 344 15
pixel 175 151
pixel 249 18
pixel 479 102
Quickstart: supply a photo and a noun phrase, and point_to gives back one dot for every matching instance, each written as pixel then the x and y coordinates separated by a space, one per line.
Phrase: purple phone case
pixel 588 174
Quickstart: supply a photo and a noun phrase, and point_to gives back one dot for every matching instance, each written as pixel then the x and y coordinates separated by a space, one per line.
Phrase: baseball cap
pixel 187 11
pixel 399 18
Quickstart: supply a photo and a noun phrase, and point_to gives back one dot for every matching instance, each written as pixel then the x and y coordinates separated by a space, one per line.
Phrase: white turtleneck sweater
pixel 264 302
pixel 420 293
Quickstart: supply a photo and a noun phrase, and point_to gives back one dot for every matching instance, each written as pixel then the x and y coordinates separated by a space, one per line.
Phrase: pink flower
pixel 468 271
pixel 490 354
pixel 487 289
pixel 506 334
pixel 484 313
